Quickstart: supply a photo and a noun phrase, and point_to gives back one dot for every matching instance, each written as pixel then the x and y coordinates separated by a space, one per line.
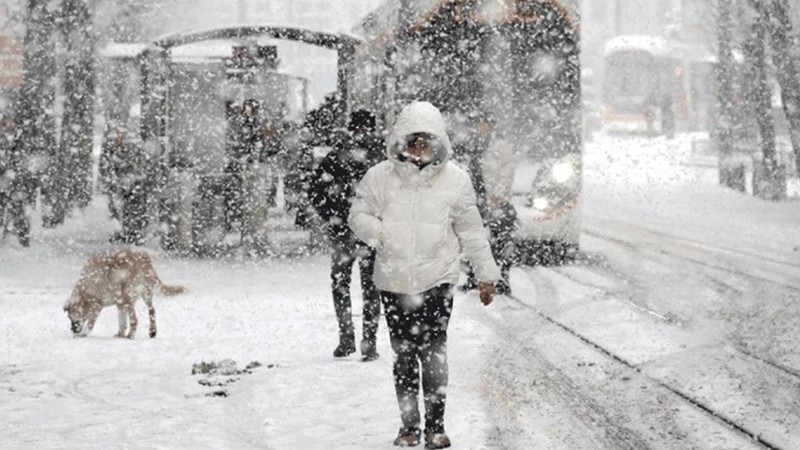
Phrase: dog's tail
pixel 171 291
pixel 165 289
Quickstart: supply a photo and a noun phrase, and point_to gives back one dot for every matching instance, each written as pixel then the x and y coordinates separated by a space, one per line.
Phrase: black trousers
pixel 343 257
pixel 418 333
pixel 502 222
pixel 134 212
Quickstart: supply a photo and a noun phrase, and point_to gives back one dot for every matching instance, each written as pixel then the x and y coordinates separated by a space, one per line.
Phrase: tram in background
pixel 516 61
pixel 652 86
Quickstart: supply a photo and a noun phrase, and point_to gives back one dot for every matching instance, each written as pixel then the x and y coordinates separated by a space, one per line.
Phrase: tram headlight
pixel 541 203
pixel 562 171
pixel 556 187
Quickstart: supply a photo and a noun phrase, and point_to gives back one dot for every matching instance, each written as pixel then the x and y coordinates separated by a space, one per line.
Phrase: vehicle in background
pixel 655 86
pixel 516 61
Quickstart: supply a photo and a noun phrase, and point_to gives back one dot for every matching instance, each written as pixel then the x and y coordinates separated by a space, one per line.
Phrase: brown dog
pixel 115 279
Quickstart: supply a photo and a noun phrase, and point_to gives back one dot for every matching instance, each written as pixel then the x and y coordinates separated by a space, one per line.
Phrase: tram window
pixel 631 74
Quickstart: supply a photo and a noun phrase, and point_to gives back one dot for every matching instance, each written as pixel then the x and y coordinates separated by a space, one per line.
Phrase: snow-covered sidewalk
pixel 102 392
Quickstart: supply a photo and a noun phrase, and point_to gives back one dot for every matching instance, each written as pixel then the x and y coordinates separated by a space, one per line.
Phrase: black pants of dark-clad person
pixel 418 333
pixel 343 257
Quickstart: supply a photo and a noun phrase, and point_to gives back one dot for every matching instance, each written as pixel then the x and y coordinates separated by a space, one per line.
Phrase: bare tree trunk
pixel 79 81
pixel 730 174
pixel 784 53
pixel 765 173
pixel 37 141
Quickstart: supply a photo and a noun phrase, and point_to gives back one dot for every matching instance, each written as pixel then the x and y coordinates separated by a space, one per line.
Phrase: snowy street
pixel 676 328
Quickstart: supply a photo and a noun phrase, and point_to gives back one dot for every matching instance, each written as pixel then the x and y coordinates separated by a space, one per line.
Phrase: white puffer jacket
pixel 420 221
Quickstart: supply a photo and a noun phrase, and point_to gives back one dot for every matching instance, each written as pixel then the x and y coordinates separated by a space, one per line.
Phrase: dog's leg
pixel 127 304
pixel 133 321
pixel 93 314
pixel 123 321
pixel 151 312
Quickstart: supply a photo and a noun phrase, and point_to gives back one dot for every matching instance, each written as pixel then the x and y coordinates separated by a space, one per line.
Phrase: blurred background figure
pixel 491 164
pixel 331 192
pixel 124 175
pixel 112 158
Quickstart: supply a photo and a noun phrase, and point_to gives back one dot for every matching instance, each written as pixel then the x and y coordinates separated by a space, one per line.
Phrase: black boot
pixel 503 287
pixel 368 351
pixel 347 346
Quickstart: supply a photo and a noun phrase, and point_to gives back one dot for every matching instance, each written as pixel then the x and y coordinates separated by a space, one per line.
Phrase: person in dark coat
pixel 123 176
pixel 491 166
pixel 112 159
pixel 249 139
pixel 331 191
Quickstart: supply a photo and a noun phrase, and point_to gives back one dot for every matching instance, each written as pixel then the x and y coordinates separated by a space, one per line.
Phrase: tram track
pixel 695 402
pixel 772 270
pixel 629 295
pixel 715 281
pixel 629 299
pixel 587 411
pixel 729 272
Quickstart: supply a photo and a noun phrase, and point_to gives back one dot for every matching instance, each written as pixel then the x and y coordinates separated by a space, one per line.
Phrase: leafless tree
pixel 783 56
pixel 760 97
pixel 79 97
pixel 37 139
pixel 729 175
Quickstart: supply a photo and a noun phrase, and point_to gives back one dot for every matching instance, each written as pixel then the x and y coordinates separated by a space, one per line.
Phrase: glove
pixel 487 291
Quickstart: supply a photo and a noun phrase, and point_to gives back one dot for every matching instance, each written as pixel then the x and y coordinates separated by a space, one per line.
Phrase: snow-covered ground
pixel 692 288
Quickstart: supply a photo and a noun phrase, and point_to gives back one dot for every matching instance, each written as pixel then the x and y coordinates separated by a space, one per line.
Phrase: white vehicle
pixel 654 86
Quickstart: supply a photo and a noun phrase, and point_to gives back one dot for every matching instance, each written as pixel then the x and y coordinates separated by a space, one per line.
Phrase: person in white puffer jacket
pixel 418 210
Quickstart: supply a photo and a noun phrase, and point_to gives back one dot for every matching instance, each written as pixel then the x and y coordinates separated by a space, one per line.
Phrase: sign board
pixel 10 45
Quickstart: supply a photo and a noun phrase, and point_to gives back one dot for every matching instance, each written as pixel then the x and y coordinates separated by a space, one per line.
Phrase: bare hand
pixel 487 292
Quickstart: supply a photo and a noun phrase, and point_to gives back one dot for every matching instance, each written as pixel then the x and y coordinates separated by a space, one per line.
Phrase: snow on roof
pixel 698 52
pixel 655 45
pixel 205 49
pixel 251 32
pixel 122 49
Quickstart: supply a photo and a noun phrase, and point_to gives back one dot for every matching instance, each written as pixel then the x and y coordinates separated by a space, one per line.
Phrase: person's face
pixel 419 148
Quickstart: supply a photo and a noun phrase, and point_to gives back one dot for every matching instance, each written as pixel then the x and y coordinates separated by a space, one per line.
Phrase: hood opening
pixel 435 151
pixel 417 118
